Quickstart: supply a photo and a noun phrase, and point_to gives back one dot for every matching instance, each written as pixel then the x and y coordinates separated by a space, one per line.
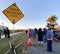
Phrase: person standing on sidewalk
pixel 44 34
pixel 8 32
pixel 5 33
pixel 49 39
pixel 40 37
pixel 0 32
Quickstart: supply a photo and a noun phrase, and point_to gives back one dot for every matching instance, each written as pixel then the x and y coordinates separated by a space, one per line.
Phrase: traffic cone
pixel 29 43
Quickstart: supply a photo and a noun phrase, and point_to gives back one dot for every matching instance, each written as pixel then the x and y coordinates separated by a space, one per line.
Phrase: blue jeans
pixel 49 45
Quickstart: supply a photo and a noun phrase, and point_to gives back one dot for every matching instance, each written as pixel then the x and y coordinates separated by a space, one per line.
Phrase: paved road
pixel 42 50
pixel 3 36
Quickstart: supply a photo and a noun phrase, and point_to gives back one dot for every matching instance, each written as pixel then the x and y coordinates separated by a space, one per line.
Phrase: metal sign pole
pixel 13 35
pixel 12 44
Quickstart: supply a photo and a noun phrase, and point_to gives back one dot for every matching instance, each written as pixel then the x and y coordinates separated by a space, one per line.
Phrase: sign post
pixel 14 14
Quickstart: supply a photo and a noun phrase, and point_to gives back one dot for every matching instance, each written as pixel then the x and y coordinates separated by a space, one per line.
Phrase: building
pixel 58 28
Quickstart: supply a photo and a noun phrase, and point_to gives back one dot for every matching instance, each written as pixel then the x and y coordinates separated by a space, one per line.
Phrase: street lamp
pixel 2 26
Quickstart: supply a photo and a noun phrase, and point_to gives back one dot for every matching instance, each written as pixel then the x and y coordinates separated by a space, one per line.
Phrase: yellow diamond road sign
pixel 13 13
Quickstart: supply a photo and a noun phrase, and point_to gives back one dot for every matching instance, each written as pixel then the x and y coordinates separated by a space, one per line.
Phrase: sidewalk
pixel 42 50
pixel 3 36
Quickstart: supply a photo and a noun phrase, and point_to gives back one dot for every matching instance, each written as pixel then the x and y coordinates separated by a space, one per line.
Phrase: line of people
pixel 45 35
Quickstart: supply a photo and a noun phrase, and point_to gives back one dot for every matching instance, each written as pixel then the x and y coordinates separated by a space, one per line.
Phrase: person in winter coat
pixel 8 32
pixel 5 32
pixel 40 37
pixel 0 33
pixel 49 39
